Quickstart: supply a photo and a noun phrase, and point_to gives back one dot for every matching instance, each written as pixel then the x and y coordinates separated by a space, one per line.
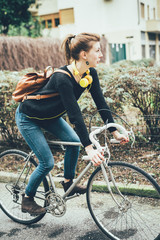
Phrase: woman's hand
pixel 120 137
pixel 95 156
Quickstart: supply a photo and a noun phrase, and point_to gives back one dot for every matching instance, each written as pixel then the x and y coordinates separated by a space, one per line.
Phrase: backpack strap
pixel 63 71
pixel 38 96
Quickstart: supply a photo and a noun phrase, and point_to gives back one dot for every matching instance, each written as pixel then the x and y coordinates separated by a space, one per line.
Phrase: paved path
pixel 76 224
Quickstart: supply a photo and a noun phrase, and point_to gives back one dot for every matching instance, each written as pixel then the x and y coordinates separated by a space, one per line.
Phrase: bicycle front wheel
pixel 133 212
pixel 13 184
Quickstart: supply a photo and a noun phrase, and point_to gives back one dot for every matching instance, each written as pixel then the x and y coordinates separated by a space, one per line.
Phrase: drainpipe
pixel 157 48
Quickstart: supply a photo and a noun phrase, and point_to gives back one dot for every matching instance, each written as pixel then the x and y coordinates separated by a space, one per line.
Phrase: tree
pixel 14 12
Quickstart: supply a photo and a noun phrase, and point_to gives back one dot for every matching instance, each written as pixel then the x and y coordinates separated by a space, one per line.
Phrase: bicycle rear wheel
pixel 13 185
pixel 138 213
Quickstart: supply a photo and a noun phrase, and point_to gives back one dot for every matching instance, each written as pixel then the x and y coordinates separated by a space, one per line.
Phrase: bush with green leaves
pixel 124 84
pixel 8 130
pixel 134 84
pixel 32 28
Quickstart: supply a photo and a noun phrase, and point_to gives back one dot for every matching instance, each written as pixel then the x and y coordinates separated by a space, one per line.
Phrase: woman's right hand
pixel 95 156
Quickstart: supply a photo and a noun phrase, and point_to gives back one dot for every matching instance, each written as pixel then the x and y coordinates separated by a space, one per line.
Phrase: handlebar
pixel 93 134
pixel 98 130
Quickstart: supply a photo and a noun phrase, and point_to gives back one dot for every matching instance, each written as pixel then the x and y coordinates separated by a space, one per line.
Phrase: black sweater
pixel 69 92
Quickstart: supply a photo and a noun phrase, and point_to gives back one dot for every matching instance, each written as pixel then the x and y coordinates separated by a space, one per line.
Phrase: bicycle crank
pixel 55 205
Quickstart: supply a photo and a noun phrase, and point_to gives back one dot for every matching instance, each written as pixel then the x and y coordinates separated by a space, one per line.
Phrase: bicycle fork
pixel 127 203
pixel 18 187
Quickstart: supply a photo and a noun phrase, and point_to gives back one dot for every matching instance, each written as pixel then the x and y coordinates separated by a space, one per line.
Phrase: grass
pixel 131 190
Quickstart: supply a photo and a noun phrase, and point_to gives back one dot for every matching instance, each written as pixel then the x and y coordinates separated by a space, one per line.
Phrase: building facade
pixel 132 27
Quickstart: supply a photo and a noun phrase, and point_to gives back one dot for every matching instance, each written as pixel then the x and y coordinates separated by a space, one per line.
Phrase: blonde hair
pixel 74 44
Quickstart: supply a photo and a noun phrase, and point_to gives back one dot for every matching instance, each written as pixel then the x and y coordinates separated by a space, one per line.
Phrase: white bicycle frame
pixel 103 164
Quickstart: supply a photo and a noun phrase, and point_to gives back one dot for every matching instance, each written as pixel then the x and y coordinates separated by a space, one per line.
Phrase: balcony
pixel 34 7
pixel 153 26
pixel 33 11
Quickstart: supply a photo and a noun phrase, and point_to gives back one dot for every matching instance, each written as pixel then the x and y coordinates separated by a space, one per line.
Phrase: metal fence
pixel 147 128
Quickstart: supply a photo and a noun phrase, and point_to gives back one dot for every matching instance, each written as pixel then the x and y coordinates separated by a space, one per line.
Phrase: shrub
pixel 122 86
pixel 8 130
pixel 31 29
pixel 131 84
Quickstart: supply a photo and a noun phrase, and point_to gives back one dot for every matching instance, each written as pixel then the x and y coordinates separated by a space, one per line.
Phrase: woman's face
pixel 93 56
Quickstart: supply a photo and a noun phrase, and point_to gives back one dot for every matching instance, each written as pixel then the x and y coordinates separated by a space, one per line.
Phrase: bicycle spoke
pixel 18 173
pixel 133 217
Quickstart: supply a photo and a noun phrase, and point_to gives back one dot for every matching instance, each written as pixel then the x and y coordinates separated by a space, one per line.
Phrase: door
pixel 118 52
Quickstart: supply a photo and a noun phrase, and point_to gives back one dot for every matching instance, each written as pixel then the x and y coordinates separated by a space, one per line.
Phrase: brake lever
pixel 130 135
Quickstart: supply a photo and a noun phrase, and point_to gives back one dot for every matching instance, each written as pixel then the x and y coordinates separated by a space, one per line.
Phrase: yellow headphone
pixel 84 82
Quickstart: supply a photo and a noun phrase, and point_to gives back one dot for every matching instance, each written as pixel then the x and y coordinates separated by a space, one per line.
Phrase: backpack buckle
pixel 24 98
pixel 38 97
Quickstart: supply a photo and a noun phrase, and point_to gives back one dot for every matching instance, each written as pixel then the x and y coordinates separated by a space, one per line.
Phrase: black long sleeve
pixel 69 92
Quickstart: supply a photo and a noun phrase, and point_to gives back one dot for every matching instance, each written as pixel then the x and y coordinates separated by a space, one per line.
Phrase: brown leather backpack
pixel 31 82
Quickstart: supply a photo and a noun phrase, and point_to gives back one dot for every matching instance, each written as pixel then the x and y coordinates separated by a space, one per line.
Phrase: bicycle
pixel 124 200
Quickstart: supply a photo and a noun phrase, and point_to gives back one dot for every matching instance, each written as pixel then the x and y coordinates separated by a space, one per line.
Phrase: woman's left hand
pixel 120 137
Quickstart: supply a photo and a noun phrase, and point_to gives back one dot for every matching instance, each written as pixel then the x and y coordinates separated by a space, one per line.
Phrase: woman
pixel 83 53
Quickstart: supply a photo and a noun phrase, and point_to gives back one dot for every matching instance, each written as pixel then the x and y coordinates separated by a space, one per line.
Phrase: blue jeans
pixel 31 130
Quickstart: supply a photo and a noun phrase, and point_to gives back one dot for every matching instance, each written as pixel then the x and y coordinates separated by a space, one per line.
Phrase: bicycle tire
pixel 138 216
pixel 11 164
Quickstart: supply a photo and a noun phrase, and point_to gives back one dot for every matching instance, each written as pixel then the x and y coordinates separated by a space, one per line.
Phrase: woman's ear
pixel 83 55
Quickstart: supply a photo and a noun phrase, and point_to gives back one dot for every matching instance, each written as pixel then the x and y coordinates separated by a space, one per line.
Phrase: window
pixel 57 22
pixel 66 16
pixel 152 45
pixel 143 37
pixel 143 51
pixel 49 23
pixel 142 11
pixel 154 13
pixel 152 36
pixel 152 51
pixel 143 44
pixel 43 24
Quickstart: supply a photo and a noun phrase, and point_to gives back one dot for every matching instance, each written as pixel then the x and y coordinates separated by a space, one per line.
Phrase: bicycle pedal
pixel 34 215
pixel 23 211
